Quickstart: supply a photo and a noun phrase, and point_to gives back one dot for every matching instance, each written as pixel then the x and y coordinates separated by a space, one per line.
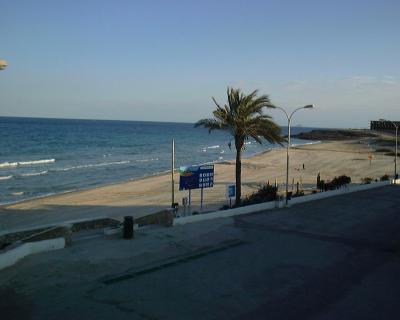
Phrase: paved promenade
pixel 337 258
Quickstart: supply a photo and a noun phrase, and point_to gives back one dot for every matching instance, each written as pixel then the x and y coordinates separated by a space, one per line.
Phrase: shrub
pixel 264 194
pixel 341 181
pixel 366 180
pixel 337 182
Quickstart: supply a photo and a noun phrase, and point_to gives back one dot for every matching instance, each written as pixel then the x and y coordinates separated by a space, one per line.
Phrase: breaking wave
pixel 85 166
pixel 147 160
pixel 32 174
pixel 25 163
pixel 5 178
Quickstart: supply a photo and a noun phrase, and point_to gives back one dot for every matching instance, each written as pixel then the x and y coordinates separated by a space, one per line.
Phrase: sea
pixel 40 157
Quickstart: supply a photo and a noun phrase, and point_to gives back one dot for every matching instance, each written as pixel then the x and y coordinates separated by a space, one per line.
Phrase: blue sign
pixel 196 177
pixel 230 191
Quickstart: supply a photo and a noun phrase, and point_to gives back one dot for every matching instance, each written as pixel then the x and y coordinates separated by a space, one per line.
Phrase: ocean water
pixel 40 157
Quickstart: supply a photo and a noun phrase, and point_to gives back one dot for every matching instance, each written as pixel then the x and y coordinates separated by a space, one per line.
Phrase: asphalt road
pixel 337 258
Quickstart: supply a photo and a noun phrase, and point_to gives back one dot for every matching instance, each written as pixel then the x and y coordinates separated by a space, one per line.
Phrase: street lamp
pixel 289 118
pixel 395 152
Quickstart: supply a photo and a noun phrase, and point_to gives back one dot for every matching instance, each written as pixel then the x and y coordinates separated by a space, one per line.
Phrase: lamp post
pixel 172 174
pixel 289 118
pixel 395 152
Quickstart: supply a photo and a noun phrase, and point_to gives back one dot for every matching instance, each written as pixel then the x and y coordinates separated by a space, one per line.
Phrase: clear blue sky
pixel 163 60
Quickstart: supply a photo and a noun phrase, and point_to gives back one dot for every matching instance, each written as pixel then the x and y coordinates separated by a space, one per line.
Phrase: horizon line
pixel 152 121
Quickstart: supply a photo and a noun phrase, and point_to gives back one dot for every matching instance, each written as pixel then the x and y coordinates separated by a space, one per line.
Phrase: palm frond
pixel 243 117
pixel 210 124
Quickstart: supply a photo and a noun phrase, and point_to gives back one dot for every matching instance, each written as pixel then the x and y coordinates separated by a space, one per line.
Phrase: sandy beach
pixel 151 194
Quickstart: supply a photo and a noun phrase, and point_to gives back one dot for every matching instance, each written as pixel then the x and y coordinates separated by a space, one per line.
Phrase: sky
pixel 164 60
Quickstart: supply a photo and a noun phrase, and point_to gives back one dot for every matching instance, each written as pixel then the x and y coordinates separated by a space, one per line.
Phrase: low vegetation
pixel 264 194
pixel 366 180
pixel 385 177
pixel 335 183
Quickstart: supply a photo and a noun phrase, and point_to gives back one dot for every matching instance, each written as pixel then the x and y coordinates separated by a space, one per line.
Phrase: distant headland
pixel 335 134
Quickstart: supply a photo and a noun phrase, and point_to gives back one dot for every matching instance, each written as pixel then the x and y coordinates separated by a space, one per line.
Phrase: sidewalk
pixel 336 258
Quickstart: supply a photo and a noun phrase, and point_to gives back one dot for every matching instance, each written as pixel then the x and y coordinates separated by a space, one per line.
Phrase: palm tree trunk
pixel 238 145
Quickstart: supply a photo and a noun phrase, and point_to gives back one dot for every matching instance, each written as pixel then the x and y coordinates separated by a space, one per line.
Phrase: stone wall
pixel 164 218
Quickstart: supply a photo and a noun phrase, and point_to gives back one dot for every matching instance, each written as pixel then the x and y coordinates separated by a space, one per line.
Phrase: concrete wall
pixel 273 204
pixel 333 193
pixel 225 213
pixel 51 225
pixel 13 255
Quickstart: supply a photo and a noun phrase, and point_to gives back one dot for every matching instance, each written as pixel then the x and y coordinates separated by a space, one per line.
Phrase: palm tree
pixel 243 118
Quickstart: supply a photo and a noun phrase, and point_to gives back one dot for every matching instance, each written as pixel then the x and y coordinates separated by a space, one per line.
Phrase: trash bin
pixel 128 227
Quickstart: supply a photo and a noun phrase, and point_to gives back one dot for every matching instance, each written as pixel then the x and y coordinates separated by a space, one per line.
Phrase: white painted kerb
pixel 12 256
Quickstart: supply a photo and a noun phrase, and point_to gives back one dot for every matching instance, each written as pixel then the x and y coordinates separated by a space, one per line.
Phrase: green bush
pixel 366 180
pixel 385 177
pixel 341 180
pixel 264 194
pixel 336 183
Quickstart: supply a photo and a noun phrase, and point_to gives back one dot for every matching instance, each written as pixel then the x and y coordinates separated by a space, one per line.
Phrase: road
pixel 336 258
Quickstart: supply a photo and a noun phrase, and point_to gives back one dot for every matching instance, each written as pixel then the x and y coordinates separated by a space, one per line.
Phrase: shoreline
pixel 156 174
pixel 141 196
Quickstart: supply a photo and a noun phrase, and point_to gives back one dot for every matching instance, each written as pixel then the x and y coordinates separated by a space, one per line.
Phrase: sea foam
pixel 147 160
pixel 85 166
pixel 31 174
pixel 5 178
pixel 26 163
